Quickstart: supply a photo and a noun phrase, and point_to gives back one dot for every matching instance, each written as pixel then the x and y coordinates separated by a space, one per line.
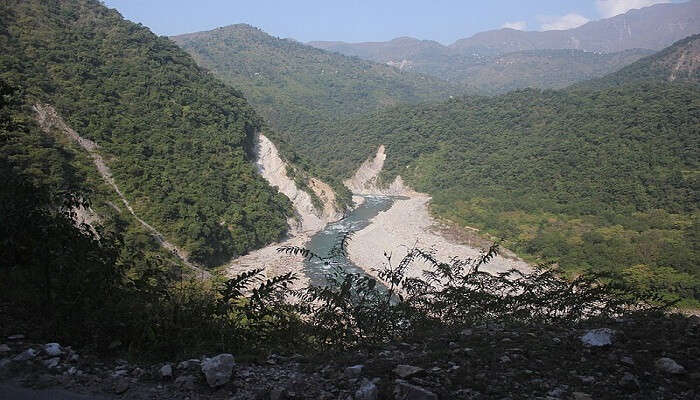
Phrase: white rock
pixel 405 391
pixel 367 391
pixel 25 355
pixel 354 371
pixel 53 349
pixel 218 369
pixel 187 364
pixel 52 362
pixel 406 371
pixel 598 337
pixel 669 366
pixel 166 371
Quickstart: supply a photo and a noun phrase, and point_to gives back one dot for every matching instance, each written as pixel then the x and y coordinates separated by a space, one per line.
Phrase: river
pixel 323 241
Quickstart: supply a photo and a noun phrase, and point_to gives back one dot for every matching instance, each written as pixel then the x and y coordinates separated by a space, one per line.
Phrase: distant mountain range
pixel 476 60
pixel 677 63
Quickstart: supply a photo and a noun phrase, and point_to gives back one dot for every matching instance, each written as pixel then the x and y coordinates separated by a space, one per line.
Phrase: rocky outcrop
pixel 309 220
pixel 365 180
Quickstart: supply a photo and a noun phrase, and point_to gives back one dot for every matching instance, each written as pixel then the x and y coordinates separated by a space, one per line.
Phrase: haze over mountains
pixel 467 60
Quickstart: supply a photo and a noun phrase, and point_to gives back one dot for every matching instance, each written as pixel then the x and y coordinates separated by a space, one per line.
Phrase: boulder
pixel 629 382
pixel 598 337
pixel 25 355
pixel 407 371
pixel 52 362
pixel 53 349
pixel 185 382
pixel 669 366
pixel 405 391
pixel 218 369
pixel 166 371
pixel 367 391
pixel 121 386
pixel 354 371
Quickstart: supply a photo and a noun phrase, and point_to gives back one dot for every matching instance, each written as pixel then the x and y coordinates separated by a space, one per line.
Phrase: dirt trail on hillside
pixel 48 119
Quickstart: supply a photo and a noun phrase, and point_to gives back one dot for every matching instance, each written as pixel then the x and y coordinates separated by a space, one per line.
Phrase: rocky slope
pixel 366 178
pixel 307 221
pixel 634 358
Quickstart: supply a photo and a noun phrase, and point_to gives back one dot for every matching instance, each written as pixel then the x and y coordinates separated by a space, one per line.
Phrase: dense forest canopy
pixel 174 137
pixel 300 89
pixel 603 179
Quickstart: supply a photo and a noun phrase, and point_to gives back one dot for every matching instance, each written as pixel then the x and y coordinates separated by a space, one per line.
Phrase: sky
pixel 370 20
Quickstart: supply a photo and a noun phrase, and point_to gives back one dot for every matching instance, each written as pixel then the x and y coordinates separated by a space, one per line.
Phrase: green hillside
pixel 590 179
pixel 174 137
pixel 679 62
pixel 299 89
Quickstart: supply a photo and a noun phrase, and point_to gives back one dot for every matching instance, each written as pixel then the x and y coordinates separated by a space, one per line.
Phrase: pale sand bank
pixel 406 224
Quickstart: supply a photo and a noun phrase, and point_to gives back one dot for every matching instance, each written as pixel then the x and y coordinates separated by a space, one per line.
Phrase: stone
pixel 4 363
pixel 598 337
pixel 367 391
pixel 187 364
pixel 53 349
pixel 4 348
pixel 278 393
pixel 505 359
pixel 25 355
pixel 121 386
pixel 354 371
pixel 627 361
pixel 466 332
pixel 15 337
pixel 166 371
pixel 557 392
pixel 669 366
pixel 185 382
pixel 218 369
pixel 407 371
pixel 581 396
pixel 405 391
pixel 52 362
pixel 629 382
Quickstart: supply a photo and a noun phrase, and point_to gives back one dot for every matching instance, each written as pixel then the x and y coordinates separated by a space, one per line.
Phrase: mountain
pixel 551 69
pixel 169 137
pixel 591 178
pixel 296 87
pixel 652 28
pixel 505 59
pixel 677 63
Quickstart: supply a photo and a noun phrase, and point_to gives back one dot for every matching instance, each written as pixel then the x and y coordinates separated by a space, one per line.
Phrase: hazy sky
pixel 370 20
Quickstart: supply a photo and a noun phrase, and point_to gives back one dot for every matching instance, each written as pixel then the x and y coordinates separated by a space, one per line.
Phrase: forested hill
pixel 173 136
pixel 501 60
pixel 679 62
pixel 604 179
pixel 299 88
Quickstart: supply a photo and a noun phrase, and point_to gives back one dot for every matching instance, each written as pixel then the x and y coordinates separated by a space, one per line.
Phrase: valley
pixel 198 212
